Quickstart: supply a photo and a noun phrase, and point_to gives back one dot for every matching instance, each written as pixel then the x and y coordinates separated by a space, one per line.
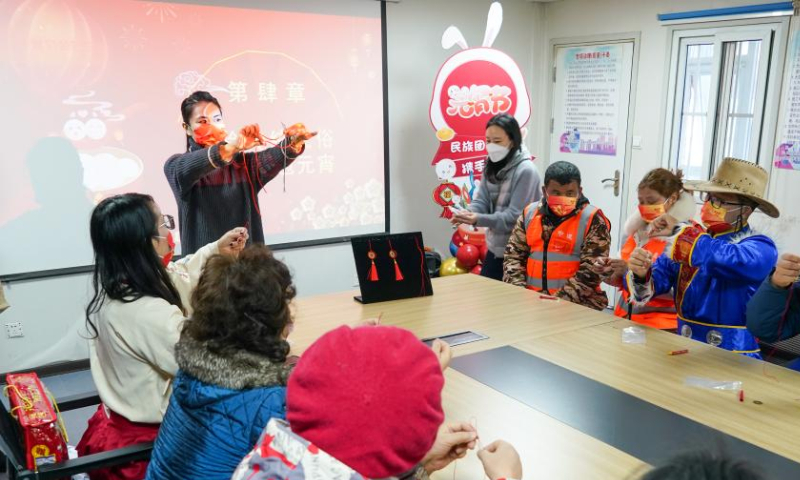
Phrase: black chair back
pixel 10 444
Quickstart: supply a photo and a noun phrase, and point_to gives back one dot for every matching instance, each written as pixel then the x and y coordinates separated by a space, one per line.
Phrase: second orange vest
pixel 660 311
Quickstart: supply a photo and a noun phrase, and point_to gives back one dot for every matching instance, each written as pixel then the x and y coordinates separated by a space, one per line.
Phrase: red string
pixel 258 172
pixel 253 192
pixel 250 182
pixel 423 290
pixel 780 330
pixel 275 142
pixel 271 141
pixel 785 310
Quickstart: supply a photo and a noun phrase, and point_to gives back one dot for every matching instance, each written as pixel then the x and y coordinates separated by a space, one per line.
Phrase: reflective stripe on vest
pixel 560 266
pixel 622 304
pixel 552 284
pixel 660 311
pixel 529 212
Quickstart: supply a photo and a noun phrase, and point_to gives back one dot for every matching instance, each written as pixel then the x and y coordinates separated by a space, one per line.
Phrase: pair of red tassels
pixel 373 270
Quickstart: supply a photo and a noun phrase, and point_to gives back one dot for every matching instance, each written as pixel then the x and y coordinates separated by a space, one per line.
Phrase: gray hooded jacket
pixel 500 204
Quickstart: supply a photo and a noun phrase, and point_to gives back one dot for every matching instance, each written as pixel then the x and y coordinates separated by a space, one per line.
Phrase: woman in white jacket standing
pixel 140 301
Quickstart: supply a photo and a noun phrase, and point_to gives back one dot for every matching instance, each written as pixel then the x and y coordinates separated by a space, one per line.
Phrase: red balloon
pixel 468 255
pixel 484 251
pixel 476 269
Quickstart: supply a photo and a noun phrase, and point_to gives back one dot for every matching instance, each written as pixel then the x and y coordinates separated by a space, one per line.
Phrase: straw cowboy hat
pixel 740 178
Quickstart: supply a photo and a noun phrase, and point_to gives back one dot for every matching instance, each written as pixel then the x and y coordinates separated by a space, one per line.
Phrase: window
pixel 721 82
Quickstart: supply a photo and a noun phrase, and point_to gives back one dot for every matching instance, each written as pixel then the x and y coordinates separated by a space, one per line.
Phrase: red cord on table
pixel 548 297
pixel 741 395
pixel 677 352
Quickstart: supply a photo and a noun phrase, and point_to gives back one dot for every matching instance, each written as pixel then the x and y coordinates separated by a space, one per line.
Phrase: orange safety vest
pixel 660 311
pixel 551 263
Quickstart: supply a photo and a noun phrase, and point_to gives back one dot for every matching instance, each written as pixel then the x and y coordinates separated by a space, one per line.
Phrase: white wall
pixel 415 30
pixel 51 311
pixel 584 18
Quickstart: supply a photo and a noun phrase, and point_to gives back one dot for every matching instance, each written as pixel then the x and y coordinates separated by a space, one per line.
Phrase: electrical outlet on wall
pixel 14 330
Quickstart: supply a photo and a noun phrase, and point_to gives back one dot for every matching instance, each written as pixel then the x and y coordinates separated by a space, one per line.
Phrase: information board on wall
pixel 787 150
pixel 592 100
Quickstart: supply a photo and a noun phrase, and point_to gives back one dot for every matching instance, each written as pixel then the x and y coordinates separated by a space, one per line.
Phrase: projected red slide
pixel 91 91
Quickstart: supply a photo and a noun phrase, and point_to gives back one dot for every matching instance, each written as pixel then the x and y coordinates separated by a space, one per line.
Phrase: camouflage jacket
pixel 581 288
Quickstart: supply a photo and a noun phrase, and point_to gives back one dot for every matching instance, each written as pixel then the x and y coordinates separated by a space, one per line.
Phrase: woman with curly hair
pixel 233 368
pixel 663 204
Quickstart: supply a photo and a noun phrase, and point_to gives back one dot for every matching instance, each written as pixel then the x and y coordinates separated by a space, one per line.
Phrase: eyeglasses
pixel 168 222
pixel 717 203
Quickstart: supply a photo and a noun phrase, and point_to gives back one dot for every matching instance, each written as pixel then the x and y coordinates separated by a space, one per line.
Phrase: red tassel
pixel 446 213
pixel 398 275
pixel 373 273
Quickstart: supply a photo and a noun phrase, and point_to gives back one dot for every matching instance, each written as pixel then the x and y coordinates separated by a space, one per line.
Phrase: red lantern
pixel 51 42
pixel 468 255
pixel 445 195
pixel 476 269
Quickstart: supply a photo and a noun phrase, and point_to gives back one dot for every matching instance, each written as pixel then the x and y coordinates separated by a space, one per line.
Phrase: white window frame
pixel 681 35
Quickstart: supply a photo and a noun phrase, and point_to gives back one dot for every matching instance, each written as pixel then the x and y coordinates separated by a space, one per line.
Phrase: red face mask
pixel 651 212
pixel 714 218
pixel 561 206
pixel 168 257
pixel 208 134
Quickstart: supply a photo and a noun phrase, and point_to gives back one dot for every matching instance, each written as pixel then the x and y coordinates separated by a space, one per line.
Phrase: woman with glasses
pixel 140 301
pixel 714 269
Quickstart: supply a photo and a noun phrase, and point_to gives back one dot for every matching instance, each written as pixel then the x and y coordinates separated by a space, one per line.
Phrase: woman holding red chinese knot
pixel 217 180
pixel 510 182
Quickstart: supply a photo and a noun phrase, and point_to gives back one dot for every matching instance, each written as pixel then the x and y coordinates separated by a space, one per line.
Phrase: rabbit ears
pixel 453 36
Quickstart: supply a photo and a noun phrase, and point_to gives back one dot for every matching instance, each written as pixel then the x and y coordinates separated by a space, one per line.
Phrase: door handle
pixel 615 180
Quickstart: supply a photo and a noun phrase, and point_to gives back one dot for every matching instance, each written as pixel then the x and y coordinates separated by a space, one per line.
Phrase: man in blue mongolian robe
pixel 714 269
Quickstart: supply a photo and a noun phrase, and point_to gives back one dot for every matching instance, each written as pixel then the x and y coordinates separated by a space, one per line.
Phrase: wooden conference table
pixel 582 346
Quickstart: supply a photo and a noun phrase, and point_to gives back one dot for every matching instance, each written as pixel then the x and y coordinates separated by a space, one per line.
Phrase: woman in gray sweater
pixel 510 182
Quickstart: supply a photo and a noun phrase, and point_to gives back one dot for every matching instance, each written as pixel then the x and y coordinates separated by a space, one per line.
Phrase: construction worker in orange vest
pixel 661 194
pixel 556 241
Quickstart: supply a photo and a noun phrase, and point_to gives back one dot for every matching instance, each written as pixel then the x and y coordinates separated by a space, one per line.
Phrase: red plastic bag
pixel 44 436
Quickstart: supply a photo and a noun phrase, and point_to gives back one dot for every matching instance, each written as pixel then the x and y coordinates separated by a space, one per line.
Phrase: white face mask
pixel 496 152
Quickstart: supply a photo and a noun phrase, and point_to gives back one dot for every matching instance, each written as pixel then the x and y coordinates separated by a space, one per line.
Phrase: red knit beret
pixel 370 397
